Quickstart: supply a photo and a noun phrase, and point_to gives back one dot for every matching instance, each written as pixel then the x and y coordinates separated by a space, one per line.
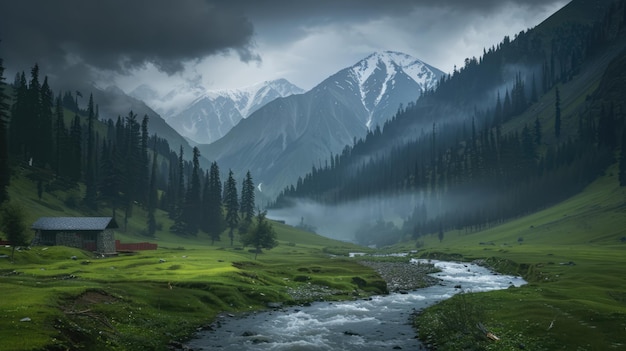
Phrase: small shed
pixel 87 233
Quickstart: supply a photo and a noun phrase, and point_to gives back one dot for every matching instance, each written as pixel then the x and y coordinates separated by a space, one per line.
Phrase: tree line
pixel 119 163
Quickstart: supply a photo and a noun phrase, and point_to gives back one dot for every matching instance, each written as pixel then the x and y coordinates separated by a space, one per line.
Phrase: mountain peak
pixel 385 74
pixel 212 114
pixel 393 62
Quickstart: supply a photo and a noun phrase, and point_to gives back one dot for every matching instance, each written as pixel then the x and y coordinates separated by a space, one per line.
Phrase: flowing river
pixel 379 323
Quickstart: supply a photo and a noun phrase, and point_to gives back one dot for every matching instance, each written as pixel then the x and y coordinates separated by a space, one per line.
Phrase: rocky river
pixel 377 323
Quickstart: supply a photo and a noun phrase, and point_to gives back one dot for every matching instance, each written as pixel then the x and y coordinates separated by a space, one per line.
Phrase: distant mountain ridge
pixel 213 113
pixel 285 138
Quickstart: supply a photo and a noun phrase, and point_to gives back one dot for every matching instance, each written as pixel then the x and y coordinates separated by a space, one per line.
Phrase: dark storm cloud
pixel 288 20
pixel 120 35
pixel 286 9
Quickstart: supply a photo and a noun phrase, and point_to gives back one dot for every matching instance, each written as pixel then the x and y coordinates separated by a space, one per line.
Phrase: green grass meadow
pixel 572 254
pixel 145 299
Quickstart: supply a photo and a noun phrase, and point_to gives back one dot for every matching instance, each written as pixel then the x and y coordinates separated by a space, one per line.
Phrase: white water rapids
pixel 379 323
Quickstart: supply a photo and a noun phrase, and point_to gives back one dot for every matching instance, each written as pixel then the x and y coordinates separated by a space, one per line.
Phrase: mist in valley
pixel 380 220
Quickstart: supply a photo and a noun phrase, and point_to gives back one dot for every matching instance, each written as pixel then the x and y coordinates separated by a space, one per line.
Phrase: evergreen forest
pixel 103 165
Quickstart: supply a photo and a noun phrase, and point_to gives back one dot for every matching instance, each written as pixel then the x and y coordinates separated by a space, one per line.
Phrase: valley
pixel 304 210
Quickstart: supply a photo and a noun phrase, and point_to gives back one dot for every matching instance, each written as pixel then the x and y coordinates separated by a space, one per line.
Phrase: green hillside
pixel 573 255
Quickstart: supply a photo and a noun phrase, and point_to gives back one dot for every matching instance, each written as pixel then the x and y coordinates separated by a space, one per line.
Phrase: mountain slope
pixel 444 163
pixel 213 114
pixel 285 138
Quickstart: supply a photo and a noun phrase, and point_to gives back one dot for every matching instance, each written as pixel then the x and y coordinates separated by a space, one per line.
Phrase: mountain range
pixel 212 114
pixel 288 136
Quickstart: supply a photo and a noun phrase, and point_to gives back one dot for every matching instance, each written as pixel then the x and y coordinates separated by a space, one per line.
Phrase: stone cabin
pixel 87 233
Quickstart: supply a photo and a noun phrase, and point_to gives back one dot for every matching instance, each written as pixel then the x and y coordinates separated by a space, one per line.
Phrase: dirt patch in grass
pixel 89 298
pixel 83 318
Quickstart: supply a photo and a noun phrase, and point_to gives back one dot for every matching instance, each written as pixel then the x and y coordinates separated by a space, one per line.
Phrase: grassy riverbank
pixel 145 300
pixel 573 256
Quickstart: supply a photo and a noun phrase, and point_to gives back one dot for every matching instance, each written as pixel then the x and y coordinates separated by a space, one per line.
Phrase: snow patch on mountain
pixel 376 75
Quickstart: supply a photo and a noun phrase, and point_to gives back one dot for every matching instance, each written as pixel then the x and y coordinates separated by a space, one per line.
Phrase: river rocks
pixel 311 292
pixel 403 276
pixel 274 305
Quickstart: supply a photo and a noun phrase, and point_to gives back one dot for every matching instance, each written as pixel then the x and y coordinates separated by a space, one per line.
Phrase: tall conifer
pixel 247 201
pixel 213 203
pixel 5 172
pixel 90 176
pixel 557 114
pixel 622 160
pixel 231 202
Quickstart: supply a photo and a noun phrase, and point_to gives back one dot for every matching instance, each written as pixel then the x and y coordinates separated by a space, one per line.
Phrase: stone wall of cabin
pixel 70 239
pixel 106 241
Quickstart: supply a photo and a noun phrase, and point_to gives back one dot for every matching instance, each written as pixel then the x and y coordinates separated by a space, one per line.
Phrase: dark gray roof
pixel 74 223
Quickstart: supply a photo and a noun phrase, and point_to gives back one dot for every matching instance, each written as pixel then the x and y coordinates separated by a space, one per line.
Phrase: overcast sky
pixel 228 44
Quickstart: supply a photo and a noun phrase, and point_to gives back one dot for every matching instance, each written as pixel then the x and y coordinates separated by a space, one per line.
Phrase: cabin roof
pixel 74 223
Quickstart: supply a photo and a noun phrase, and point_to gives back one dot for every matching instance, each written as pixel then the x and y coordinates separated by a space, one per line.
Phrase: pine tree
pixel 497 115
pixel 131 156
pixel 213 203
pixel 179 224
pixel 19 119
pixel 247 202
pixel 507 107
pixel 622 160
pixel 145 174
pixel 260 236
pixel 152 197
pixel 557 116
pixel 43 129
pixel 90 176
pixel 33 111
pixel 534 97
pixel 76 153
pixel 60 136
pixel 231 202
pixel 5 172
pixel 193 203
pixel 13 225
pixel 109 182
pixel 537 131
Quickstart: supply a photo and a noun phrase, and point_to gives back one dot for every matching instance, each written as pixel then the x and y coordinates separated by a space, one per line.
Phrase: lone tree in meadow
pixel 13 225
pixel 261 235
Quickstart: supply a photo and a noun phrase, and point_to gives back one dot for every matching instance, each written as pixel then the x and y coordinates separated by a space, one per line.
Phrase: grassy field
pixel 574 257
pixel 53 301
pixel 572 254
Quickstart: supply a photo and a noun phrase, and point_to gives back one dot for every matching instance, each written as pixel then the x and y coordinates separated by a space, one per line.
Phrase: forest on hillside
pixel 466 161
pixel 104 165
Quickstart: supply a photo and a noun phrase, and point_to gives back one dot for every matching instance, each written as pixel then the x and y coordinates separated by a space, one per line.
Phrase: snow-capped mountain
pixel 211 115
pixel 387 79
pixel 285 138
